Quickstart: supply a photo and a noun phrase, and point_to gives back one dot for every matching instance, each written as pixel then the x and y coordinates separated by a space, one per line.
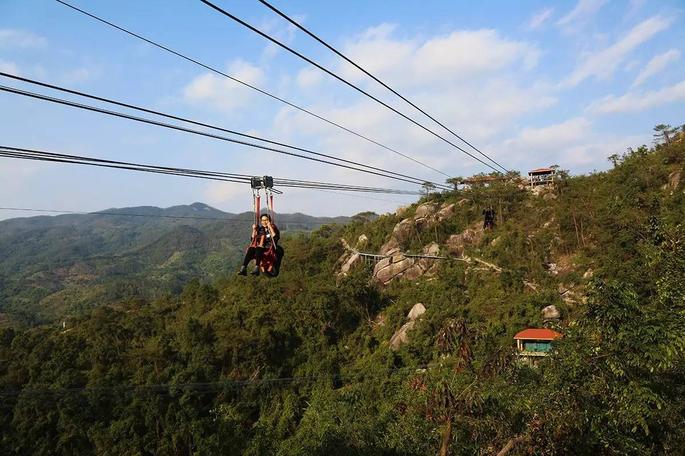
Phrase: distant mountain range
pixel 51 266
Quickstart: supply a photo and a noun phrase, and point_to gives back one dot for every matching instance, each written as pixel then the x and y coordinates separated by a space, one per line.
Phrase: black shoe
pixel 243 271
pixel 256 271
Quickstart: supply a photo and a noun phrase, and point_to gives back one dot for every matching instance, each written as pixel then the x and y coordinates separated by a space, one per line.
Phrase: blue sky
pixel 532 83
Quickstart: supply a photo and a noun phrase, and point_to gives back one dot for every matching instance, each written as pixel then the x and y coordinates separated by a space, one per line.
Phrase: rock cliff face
pixel 457 243
pixel 397 265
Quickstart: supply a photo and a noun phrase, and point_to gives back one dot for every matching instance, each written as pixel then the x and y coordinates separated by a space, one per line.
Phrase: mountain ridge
pixel 37 253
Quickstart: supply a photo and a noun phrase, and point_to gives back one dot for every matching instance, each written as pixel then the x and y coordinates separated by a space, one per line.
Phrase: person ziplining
pixel 263 248
pixel 488 218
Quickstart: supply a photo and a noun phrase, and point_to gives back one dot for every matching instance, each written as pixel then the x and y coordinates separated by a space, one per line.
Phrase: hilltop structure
pixel 541 176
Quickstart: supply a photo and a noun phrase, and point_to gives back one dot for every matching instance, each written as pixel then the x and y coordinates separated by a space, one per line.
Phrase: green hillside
pixel 53 267
pixel 335 357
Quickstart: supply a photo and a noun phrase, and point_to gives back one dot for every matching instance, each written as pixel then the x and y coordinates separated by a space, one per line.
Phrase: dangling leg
pixel 249 256
pixel 279 257
pixel 259 252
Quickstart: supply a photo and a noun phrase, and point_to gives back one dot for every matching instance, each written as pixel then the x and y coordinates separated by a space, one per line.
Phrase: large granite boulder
pixel 550 313
pixel 425 210
pixel 403 230
pixel 445 212
pixel 416 311
pixel 401 211
pixel 457 243
pixel 391 245
pixel 424 266
pixel 351 262
pixel 401 336
pixel 673 181
pixel 391 267
pixel 398 266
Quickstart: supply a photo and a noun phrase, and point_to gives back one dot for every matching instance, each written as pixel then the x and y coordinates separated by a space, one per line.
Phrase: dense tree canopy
pixel 300 364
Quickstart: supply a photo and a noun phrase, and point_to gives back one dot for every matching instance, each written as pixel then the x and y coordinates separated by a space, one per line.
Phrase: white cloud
pixel 636 102
pixel 221 93
pixel 221 193
pixel 540 18
pixel 12 38
pixel 80 75
pixel 282 31
pixel 570 144
pixel 552 136
pixel 309 77
pixel 602 64
pixel 583 11
pixel 440 60
pixel 477 82
pixel 9 67
pixel 656 66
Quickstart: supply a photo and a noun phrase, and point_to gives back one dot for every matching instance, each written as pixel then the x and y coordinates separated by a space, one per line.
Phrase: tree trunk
pixel 575 225
pixel 510 445
pixel 446 438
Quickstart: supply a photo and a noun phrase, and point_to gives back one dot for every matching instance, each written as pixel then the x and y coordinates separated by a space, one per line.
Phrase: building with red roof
pixel 534 343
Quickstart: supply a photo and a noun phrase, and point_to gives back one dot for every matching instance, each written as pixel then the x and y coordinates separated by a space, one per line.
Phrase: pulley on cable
pixel 264 248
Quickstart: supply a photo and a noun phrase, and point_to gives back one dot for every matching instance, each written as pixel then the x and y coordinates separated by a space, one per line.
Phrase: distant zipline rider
pixel 488 218
pixel 263 248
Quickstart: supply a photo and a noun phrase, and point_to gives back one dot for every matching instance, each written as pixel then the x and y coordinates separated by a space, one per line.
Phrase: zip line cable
pixel 187 130
pixel 214 386
pixel 348 60
pixel 13 152
pixel 277 183
pixel 253 87
pixel 202 124
pixel 31 154
pixel 344 81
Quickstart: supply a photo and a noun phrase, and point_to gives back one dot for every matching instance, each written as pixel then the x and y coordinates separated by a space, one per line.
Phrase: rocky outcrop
pixel 391 267
pixel 424 266
pixel 401 211
pixel 401 336
pixel 397 265
pixel 416 311
pixel 673 181
pixel 391 245
pixel 425 217
pixel 550 313
pixel 351 262
pixel 445 212
pixel 403 230
pixel 425 210
pixel 349 259
pixel 457 243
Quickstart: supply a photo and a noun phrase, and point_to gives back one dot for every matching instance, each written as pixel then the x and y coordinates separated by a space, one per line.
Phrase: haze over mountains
pixel 51 266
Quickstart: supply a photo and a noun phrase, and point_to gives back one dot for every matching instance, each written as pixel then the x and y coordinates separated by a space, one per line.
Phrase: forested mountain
pixel 336 357
pixel 55 266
